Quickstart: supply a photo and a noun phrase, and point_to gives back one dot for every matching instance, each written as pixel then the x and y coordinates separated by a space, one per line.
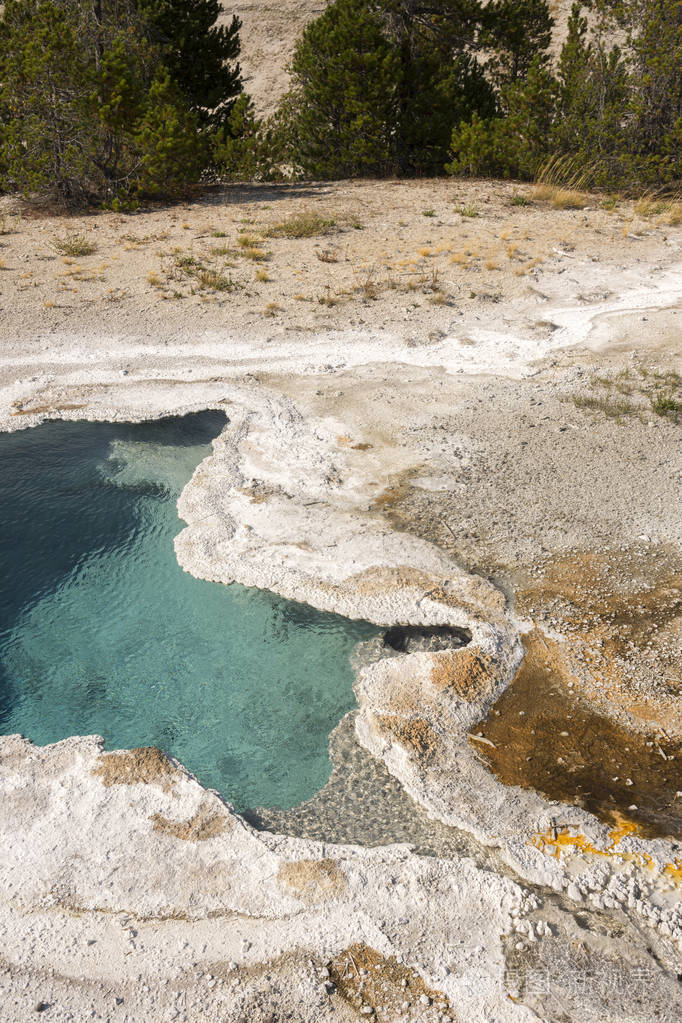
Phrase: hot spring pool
pixel 102 632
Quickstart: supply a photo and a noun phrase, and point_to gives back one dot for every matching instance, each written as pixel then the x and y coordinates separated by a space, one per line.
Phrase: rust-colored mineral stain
pixel 40 409
pixel 313 880
pixel 414 733
pixel 364 977
pixel 621 611
pixel 144 766
pixel 463 672
pixel 199 828
pixel 546 738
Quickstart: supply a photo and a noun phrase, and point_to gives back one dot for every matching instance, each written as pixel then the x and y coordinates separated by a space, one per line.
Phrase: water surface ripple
pixel 102 632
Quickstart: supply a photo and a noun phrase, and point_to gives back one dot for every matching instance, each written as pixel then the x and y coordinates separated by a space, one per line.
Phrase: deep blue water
pixel 102 632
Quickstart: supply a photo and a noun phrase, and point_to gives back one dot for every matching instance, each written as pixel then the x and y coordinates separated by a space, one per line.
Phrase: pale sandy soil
pixel 415 258
pixel 440 412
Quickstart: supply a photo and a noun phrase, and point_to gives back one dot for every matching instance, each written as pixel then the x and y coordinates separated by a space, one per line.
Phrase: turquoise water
pixel 102 632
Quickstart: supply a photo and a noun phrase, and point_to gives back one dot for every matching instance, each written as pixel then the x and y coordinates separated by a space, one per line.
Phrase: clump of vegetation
pixel 634 391
pixel 302 225
pixel 254 253
pixel 378 86
pixel 8 225
pixel 213 280
pixel 121 100
pixel 327 255
pixel 75 245
pixel 560 198
pixel 612 408
pixel 667 209
pixel 185 267
pixel 665 404
pixel 368 284
pixel 468 209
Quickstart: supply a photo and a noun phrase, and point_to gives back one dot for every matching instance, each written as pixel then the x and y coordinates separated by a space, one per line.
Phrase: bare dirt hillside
pixel 269 34
pixel 271 29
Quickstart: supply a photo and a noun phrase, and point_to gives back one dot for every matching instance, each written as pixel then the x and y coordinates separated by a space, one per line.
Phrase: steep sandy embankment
pixel 452 442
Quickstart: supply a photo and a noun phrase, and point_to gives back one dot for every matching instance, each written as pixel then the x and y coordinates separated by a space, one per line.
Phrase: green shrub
pixel 514 143
pixel 74 245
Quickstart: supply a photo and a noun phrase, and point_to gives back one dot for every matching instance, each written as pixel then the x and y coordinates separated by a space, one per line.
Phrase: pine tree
pixel 49 134
pixel 518 31
pixel 200 55
pixel 379 85
pixel 340 114
pixel 166 138
pixel 653 54
pixel 94 106
pixel 592 101
pixel 516 142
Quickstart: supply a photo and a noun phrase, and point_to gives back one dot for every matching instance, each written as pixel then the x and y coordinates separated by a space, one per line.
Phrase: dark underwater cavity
pixel 408 639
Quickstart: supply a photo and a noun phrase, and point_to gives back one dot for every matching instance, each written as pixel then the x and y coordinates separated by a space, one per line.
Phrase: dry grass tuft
pixel 560 198
pixel 563 182
pixel 213 280
pixel 328 298
pixel 668 209
pixel 74 245
pixel 468 209
pixel 8 225
pixel 327 255
pixel 611 407
pixel 254 253
pixel 248 241
pixel 302 225
pixel 367 284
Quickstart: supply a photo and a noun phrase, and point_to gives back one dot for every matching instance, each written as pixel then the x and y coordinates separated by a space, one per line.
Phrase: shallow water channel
pixel 102 632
